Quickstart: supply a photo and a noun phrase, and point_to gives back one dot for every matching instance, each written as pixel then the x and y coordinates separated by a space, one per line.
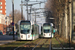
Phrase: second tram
pixel 47 30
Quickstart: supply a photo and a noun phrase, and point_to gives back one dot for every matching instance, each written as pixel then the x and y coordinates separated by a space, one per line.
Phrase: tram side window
pixel 32 29
pixel 35 30
pixel 52 30
pixel 74 28
pixel 41 29
pixel 38 30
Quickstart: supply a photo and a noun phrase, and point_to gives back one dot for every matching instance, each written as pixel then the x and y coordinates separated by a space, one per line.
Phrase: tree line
pixel 60 11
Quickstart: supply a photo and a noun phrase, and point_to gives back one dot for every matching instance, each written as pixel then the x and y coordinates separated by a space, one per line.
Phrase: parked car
pixel 1 33
pixel 11 33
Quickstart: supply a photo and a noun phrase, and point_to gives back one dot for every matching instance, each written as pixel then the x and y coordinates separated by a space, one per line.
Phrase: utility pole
pixel 27 8
pixel 30 12
pixel 35 16
pixel 13 17
pixel 30 5
pixel 21 10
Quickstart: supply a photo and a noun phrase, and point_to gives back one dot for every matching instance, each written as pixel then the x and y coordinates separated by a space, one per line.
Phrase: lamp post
pixel 21 10
pixel 13 17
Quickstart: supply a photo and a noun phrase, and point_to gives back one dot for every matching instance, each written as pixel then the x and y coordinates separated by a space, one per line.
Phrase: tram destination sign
pixel 46 27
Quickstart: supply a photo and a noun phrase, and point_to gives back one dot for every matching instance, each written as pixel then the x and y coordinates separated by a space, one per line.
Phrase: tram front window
pixel 25 28
pixel 25 31
pixel 46 31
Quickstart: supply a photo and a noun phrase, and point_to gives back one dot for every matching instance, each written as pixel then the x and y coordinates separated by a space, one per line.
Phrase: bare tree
pixel 17 16
pixel 57 10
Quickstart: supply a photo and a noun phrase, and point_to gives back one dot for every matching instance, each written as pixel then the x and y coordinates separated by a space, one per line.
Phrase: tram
pixel 27 30
pixel 47 30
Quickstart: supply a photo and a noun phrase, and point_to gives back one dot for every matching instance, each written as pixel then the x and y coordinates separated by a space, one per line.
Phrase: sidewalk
pixel 6 42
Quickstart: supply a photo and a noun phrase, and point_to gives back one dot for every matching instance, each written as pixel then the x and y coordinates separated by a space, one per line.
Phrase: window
pixel 0 11
pixel 5 7
pixel 5 3
pixel 0 3
pixel 0 7
pixel 5 11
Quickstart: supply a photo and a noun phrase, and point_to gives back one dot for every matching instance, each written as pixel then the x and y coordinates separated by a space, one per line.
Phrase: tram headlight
pixel 44 34
pixel 21 36
pixel 28 36
pixel 49 34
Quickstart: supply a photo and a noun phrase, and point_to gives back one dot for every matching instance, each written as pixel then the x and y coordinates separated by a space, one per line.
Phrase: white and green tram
pixel 27 30
pixel 47 30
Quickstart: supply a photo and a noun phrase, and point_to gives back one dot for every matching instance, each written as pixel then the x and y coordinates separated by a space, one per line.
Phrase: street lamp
pixel 21 10
pixel 13 17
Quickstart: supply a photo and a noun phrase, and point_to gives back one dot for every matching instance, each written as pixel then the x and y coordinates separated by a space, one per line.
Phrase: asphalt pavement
pixel 4 39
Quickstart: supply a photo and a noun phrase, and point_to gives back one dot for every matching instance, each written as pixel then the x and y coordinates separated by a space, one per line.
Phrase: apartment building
pixel 3 7
pixel 3 23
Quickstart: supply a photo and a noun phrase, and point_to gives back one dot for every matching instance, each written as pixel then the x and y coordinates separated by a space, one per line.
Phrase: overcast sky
pixel 16 5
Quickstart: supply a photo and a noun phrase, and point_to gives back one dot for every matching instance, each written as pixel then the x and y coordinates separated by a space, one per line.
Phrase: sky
pixel 18 7
pixel 9 6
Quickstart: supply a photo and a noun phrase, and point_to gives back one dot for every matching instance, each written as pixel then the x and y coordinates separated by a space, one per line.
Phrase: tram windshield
pixel 46 27
pixel 25 27
pixel 46 31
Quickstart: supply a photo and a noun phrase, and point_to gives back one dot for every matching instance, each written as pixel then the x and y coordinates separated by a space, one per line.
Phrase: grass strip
pixel 12 45
pixel 55 43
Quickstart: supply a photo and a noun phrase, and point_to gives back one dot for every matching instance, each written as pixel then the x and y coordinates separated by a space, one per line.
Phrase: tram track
pixel 34 45
pixel 61 46
pixel 41 45
pixel 50 47
pixel 59 42
pixel 27 46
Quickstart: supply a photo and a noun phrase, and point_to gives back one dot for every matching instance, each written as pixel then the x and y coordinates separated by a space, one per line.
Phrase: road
pixel 4 39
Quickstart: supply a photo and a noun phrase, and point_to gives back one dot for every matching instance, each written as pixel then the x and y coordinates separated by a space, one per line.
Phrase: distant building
pixel 3 23
pixel 3 7
pixel 9 21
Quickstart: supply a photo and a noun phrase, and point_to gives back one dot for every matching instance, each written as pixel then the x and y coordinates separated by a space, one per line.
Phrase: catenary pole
pixel 13 17
pixel 21 10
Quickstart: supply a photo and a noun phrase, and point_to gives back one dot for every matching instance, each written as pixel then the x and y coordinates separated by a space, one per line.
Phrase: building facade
pixel 3 23
pixel 3 7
